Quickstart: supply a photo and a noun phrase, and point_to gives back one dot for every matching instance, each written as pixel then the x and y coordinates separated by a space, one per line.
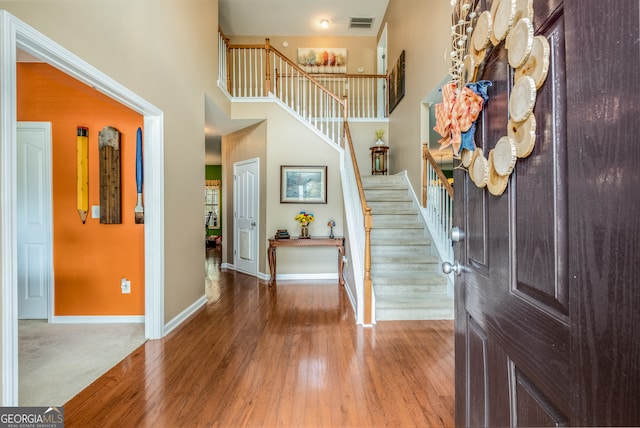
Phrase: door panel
pixel 34 221
pixel 246 204
pixel 530 407
pixel 515 280
pixel 547 320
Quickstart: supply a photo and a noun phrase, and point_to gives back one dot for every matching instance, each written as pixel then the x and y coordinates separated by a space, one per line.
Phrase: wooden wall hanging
pixel 109 148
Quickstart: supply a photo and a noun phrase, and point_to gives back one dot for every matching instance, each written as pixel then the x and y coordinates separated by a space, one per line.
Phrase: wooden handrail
pixel 305 74
pixel 368 224
pixel 426 154
pixel 346 75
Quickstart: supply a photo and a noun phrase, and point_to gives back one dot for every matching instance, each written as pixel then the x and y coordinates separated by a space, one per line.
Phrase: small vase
pixel 379 142
pixel 304 232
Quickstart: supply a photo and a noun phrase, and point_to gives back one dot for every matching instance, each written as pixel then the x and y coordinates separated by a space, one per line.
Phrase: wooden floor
pixel 287 356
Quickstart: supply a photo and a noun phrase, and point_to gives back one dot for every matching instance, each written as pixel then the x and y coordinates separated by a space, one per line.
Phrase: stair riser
pixel 413 314
pixel 399 219
pixel 418 290
pixel 377 268
pixel 401 251
pixel 396 234
pixel 378 181
pixel 380 205
pixel 386 195
pixel 423 279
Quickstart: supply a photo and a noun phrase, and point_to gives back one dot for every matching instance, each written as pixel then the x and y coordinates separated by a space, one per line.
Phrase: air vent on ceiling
pixel 360 22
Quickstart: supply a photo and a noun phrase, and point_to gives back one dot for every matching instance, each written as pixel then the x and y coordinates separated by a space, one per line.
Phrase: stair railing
pixel 254 71
pixel 364 223
pixel 437 199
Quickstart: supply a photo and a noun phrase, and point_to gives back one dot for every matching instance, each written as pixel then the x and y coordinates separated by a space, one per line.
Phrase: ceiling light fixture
pixel 324 23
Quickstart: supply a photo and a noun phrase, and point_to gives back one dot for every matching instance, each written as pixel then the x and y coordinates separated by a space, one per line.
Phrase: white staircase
pixel 404 269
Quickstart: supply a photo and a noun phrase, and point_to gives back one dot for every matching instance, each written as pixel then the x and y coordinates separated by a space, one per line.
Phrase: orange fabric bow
pixel 456 114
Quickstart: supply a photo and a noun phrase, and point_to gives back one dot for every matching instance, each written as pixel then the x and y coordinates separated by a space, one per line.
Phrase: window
pixel 212 204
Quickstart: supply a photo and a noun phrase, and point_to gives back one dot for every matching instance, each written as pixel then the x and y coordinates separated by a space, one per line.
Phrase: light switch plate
pixel 95 211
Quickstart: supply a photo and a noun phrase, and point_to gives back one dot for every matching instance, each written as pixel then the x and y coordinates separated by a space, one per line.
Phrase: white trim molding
pixel 97 319
pixel 184 315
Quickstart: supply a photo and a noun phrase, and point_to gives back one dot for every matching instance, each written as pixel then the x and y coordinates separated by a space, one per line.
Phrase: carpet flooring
pixel 57 361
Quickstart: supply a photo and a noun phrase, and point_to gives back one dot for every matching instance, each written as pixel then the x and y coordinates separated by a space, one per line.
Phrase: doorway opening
pixel 19 36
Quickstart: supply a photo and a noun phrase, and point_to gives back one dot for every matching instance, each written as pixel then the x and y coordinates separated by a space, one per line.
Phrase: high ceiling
pixel 298 17
pixel 284 18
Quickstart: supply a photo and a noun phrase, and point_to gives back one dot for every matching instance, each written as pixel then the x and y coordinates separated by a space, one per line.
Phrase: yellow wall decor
pixel 82 172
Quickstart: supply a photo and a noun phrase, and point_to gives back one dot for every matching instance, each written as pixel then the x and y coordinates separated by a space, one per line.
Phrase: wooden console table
pixel 337 242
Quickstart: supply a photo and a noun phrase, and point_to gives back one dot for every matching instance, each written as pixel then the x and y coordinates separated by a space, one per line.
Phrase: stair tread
pixel 409 301
pixel 404 259
pixel 400 241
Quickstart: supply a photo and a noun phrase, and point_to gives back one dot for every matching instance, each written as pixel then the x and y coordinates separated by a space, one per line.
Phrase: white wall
pixel 423 30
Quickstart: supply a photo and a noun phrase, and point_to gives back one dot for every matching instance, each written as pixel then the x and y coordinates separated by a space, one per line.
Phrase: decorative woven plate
pixel 503 18
pixel 469 69
pixel 482 32
pixel 522 99
pixel 504 156
pixel 496 183
pixel 524 135
pixel 520 42
pixel 479 169
pixel 466 157
pixel 537 65
pixel 478 56
pixel 494 10
pixel 524 9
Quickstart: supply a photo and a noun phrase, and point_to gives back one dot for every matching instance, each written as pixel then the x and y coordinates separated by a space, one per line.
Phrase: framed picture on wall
pixel 303 184
pixel 396 83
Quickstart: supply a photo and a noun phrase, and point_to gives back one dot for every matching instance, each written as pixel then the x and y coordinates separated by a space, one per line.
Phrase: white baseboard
pixel 306 276
pixel 96 319
pixel 182 316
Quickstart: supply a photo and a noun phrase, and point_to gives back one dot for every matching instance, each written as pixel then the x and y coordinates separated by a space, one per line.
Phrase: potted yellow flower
pixel 304 219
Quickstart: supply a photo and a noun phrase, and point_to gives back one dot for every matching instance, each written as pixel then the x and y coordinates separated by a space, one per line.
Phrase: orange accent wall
pixel 89 259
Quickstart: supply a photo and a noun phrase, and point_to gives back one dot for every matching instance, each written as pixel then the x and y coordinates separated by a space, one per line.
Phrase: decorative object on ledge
pixel 396 83
pixel 304 219
pixel 139 210
pixel 109 148
pixel 379 160
pixel 282 234
pixel 379 135
pixel 82 172
pixel 303 184
pixel 331 224
pixel 323 60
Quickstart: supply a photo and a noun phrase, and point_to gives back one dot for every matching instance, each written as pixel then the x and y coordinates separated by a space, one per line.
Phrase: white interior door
pixel 34 220
pixel 246 197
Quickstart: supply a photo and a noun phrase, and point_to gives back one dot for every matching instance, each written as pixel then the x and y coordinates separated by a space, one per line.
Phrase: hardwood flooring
pixel 287 356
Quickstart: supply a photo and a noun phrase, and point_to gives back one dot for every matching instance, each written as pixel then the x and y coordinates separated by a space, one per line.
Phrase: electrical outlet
pixel 125 285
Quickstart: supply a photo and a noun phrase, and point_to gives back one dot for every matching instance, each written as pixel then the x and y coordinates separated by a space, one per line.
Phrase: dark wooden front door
pixel 548 302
